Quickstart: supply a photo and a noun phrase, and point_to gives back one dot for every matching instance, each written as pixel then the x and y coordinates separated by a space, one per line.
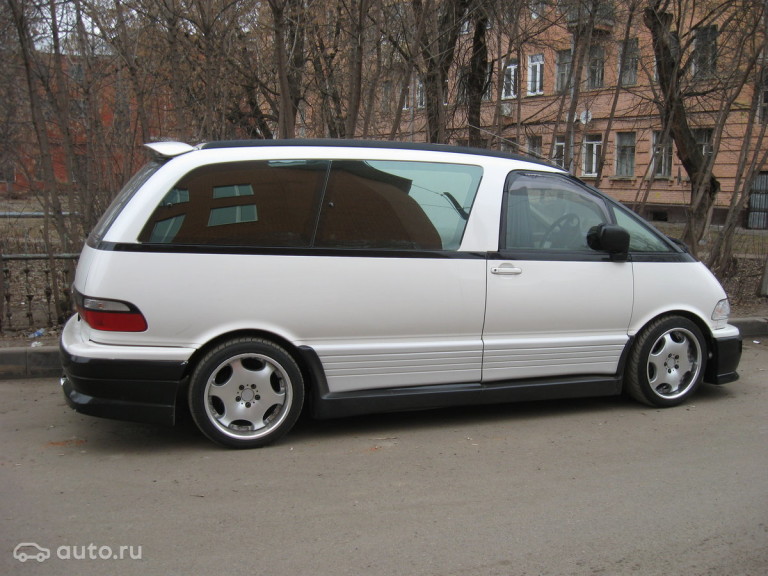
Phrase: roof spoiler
pixel 169 149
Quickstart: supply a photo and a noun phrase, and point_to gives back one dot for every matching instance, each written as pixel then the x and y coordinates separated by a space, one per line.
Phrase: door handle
pixel 506 270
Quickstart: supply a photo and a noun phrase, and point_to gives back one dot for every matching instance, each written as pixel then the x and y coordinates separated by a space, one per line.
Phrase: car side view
pixel 249 281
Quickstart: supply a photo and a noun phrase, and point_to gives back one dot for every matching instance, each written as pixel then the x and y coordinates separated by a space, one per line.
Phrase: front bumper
pixel 725 354
pixel 115 382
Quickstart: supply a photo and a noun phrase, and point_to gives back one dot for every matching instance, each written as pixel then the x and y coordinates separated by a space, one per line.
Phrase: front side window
pixel 641 237
pixel 549 212
pixel 593 146
pixel 399 205
pixel 536 74
pixel 625 154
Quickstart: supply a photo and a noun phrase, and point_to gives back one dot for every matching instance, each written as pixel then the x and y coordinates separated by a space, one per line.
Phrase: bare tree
pixel 437 44
pixel 695 75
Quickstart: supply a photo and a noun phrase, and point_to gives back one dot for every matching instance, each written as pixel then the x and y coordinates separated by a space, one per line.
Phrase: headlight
pixel 722 310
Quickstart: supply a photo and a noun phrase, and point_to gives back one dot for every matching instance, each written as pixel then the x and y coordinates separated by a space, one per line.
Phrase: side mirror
pixel 609 238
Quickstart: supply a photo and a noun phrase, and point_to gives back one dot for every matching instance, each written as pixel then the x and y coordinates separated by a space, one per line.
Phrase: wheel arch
pixel 303 355
pixel 701 324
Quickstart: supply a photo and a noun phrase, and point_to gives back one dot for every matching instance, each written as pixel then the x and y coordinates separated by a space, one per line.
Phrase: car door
pixel 555 307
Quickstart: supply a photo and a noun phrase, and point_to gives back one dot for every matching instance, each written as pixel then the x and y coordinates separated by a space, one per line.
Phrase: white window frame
pixel 628 73
pixel 662 155
pixel 534 146
pixel 563 69
pixel 626 143
pixel 535 74
pixel 593 147
pixel 509 87
pixel 558 151
pixel 596 67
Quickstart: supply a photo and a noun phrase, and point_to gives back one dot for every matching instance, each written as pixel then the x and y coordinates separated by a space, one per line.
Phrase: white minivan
pixel 249 280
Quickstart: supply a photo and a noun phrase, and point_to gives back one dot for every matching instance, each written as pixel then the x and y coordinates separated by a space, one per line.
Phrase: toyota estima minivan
pixel 251 280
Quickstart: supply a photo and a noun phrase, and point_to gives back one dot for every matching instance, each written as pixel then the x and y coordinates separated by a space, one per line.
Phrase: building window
pixel 596 70
pixel 704 140
pixel 536 74
pixel 7 171
pixel 631 56
pixel 763 87
pixel 509 89
pixel 705 51
pixel 558 155
pixel 421 95
pixel 420 98
pixel 534 146
pixel 593 147
pixel 509 145
pixel 662 155
pixel 757 215
pixel 386 96
pixel 625 154
pixel 563 71
pixel 537 8
pixel 487 90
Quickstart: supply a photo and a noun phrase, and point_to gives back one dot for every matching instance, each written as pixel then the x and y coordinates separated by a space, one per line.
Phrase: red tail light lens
pixel 110 315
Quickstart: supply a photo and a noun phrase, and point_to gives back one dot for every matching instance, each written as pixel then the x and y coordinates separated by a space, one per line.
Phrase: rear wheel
pixel 667 362
pixel 246 393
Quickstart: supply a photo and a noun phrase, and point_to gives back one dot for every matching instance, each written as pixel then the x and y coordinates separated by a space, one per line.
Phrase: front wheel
pixel 667 362
pixel 246 393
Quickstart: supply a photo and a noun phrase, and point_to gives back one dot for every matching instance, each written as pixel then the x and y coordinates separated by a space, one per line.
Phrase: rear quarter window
pixel 242 204
pixel 121 200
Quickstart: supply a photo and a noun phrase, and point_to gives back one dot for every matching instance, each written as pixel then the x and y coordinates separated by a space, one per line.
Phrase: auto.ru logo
pixel 31 551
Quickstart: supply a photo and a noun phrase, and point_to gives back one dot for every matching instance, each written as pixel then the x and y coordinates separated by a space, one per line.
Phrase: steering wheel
pixel 568 222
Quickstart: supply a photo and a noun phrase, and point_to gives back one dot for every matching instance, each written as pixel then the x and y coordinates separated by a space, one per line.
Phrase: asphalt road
pixel 597 486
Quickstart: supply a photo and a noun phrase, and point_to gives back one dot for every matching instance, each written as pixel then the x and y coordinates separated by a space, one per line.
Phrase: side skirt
pixel 325 404
pixel 333 405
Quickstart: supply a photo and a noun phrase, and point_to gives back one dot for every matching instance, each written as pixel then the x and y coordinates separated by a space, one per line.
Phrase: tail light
pixel 110 315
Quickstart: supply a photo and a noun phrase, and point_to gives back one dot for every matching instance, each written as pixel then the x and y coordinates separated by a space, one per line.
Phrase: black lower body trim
pixel 332 405
pixel 138 391
pixel 724 360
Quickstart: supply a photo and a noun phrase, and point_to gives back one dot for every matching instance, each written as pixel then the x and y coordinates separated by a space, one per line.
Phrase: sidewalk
pixel 44 361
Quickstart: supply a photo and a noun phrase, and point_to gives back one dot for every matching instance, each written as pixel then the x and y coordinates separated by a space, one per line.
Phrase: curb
pixel 43 362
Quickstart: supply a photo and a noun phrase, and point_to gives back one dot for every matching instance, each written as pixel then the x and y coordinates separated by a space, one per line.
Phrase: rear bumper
pixel 97 383
pixel 724 359
pixel 113 389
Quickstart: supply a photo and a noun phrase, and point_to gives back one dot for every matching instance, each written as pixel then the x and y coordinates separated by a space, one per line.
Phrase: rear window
pixel 318 203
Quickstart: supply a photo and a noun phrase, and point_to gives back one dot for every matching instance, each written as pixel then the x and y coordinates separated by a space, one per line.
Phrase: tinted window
pixel 549 212
pixel 397 205
pixel 271 204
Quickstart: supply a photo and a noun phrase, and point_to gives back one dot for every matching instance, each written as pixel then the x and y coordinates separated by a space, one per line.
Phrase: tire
pixel 667 362
pixel 246 393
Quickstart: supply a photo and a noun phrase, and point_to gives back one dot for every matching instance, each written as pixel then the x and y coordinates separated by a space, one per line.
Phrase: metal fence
pixel 36 291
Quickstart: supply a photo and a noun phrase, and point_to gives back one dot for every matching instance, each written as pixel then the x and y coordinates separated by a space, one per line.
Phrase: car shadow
pixel 111 435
